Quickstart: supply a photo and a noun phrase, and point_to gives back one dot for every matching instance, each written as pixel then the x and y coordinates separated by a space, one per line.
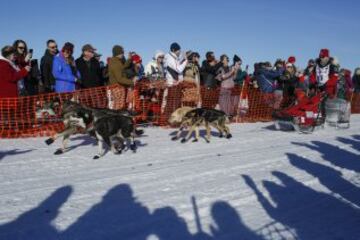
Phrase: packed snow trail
pixel 261 184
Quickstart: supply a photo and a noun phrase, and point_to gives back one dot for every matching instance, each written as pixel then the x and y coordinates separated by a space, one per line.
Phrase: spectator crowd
pixel 58 71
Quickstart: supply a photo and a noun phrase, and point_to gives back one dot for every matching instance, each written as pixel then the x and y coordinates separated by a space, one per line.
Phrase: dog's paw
pixel 229 136
pixel 221 136
pixel 96 157
pixel 195 140
pixel 174 138
pixel 139 132
pixel 118 152
pixel 183 140
pixel 58 152
pixel 133 147
pixel 49 141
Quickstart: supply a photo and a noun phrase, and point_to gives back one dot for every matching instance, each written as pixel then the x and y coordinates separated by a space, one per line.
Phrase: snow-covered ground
pixel 261 184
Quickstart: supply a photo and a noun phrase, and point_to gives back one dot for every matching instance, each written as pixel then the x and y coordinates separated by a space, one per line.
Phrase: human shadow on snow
pixel 312 214
pixel 37 223
pixel 335 155
pixel 355 142
pixel 328 177
pixel 119 215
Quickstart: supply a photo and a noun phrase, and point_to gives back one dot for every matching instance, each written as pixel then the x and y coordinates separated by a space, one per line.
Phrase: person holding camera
pixel 226 75
pixel 46 65
pixel 240 75
pixel 64 70
pixel 154 70
pixel 23 57
pixel 117 65
pixel 192 69
pixel 134 72
pixel 174 65
pixel 117 75
pixel 10 73
pixel 192 76
pixel 208 70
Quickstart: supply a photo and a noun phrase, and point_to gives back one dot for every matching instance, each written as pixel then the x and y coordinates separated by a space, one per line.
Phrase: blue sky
pixel 256 30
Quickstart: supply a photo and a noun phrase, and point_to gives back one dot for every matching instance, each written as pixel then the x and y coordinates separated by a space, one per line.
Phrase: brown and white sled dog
pixel 178 118
pixel 178 115
pixel 207 117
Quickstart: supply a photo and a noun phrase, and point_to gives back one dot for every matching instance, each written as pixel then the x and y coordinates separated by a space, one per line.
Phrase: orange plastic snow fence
pixel 153 103
pixel 35 116
pixel 355 103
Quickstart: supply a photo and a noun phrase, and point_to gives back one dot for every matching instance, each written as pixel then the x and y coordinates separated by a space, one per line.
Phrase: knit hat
pixel 236 59
pixel 174 47
pixel 291 60
pixel 117 50
pixel 324 53
pixel 68 47
pixel 136 58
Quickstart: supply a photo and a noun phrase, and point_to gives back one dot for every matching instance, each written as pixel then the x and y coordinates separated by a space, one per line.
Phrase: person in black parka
pixel 89 68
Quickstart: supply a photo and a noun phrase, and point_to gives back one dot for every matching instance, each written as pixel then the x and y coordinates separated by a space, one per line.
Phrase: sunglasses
pixel 22 48
pixel 53 47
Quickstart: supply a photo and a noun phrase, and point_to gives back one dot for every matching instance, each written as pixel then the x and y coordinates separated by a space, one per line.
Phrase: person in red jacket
pixel 325 74
pixel 10 74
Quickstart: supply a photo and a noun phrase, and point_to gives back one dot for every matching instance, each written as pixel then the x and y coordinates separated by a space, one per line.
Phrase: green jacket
pixel 117 74
pixel 240 77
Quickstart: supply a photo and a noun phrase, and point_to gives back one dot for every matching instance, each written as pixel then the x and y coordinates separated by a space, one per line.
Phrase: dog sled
pixel 303 117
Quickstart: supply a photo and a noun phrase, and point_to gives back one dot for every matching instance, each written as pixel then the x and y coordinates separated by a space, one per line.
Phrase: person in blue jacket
pixel 64 70
pixel 266 77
